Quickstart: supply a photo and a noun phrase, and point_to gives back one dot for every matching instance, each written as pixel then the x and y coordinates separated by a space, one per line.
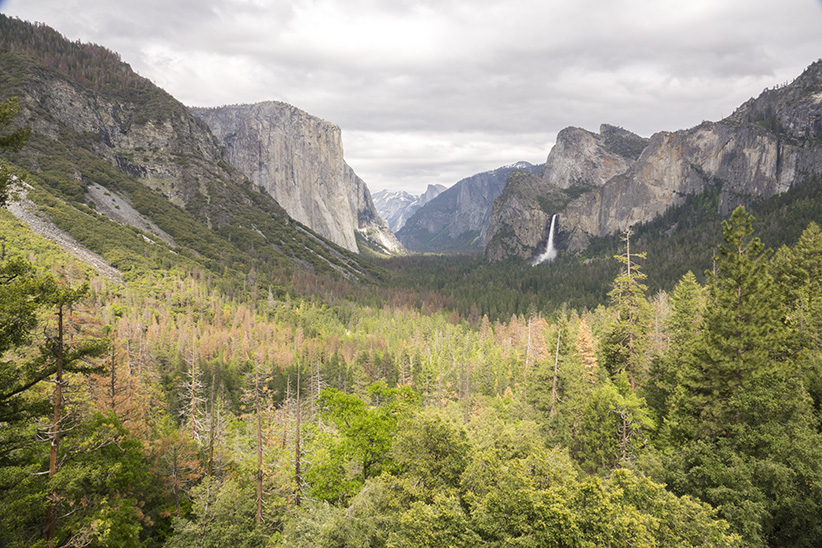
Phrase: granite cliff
pixel 298 160
pixel 579 163
pixel 765 146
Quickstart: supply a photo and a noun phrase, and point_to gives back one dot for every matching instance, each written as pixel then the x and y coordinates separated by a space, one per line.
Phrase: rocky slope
pixel 457 219
pixel 298 160
pixel 397 206
pixel 763 148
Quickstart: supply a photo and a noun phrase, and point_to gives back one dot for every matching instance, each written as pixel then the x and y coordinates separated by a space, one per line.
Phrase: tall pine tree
pixel 748 443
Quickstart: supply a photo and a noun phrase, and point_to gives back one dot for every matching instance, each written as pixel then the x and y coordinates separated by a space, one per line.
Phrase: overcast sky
pixel 431 91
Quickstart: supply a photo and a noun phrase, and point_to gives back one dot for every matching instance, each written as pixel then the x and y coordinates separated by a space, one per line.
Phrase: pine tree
pixel 627 341
pixel 798 271
pixel 63 354
pixel 744 343
pixel 748 438
pixel 667 371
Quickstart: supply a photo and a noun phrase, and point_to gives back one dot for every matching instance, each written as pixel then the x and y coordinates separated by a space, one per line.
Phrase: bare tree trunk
pixel 297 476
pixel 113 387
pixel 285 414
pixel 211 428
pixel 259 446
pixel 527 364
pixel 554 384
pixel 175 474
pixel 466 387
pixel 54 432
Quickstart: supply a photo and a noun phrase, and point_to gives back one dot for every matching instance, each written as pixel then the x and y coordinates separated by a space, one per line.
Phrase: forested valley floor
pixel 166 412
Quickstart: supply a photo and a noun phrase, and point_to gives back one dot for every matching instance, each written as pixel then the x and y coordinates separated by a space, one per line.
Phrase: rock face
pixel 581 158
pixel 298 160
pixel 518 221
pixel 579 163
pixel 760 150
pixel 373 230
pixel 397 206
pixel 457 219
pixel 162 144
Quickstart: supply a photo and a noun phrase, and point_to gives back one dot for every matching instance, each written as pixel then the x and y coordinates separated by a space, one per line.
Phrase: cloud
pixel 434 91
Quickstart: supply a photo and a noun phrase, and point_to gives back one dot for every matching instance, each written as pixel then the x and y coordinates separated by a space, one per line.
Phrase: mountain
pixel 396 206
pixel 457 219
pixel 298 160
pixel 579 162
pixel 105 141
pixel 767 145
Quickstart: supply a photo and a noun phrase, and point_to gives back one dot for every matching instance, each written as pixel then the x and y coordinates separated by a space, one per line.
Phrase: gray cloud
pixel 433 91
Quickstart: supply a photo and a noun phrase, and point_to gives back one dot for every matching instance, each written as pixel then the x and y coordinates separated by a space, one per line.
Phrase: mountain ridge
pixel 396 206
pixel 767 145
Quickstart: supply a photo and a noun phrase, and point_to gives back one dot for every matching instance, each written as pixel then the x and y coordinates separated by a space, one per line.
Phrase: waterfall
pixel 550 251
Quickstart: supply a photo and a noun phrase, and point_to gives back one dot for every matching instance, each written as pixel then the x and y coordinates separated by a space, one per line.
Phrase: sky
pixel 433 91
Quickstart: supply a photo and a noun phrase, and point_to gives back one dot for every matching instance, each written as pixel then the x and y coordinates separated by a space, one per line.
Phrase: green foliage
pixel 431 451
pixel 627 341
pixel 749 441
pixel 361 448
pixel 614 428
pixel 666 372
pixel 222 515
pixel 99 484
pixel 442 522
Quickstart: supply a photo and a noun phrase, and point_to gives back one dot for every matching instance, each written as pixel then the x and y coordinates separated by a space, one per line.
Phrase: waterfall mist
pixel 550 251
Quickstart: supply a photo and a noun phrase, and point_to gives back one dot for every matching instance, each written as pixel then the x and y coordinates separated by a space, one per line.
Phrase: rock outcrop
pixel 582 158
pixel 765 146
pixel 457 219
pixel 298 160
pixel 518 221
pixel 579 163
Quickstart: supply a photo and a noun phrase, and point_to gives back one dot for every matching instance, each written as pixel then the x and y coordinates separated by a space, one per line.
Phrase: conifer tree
pixel 627 341
pixel 798 271
pixel 744 343
pixel 667 371
pixel 748 440
pixel 63 354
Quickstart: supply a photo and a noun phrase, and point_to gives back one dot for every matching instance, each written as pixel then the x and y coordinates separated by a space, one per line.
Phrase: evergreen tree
pixel 749 441
pixel 627 341
pixel 798 271
pixel 744 343
pixel 667 371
